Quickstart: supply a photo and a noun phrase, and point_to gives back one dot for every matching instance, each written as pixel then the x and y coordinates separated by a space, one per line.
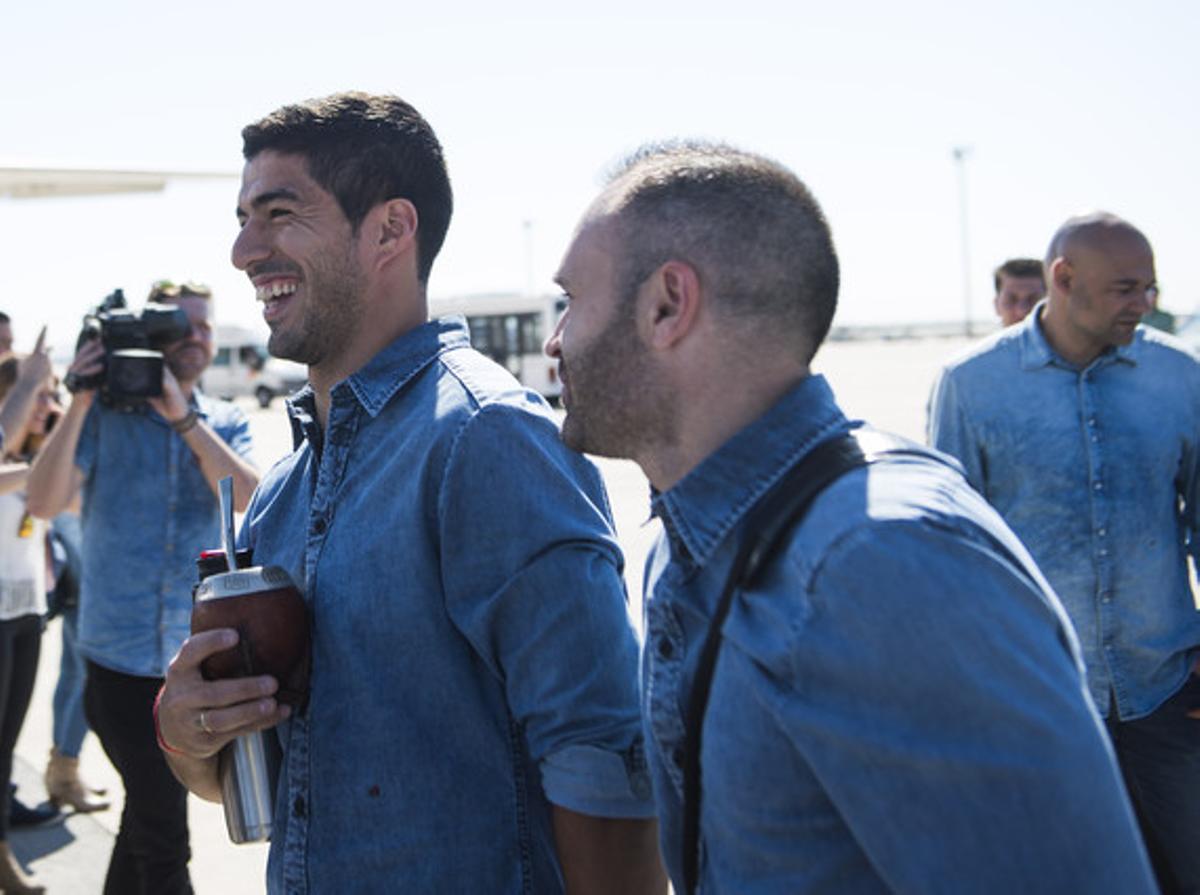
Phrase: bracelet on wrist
pixel 187 423
pixel 162 744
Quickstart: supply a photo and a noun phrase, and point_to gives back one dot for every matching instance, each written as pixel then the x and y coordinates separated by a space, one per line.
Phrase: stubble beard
pixel 331 313
pixel 615 408
pixel 184 370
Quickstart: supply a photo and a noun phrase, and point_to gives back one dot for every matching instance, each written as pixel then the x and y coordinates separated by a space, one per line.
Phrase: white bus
pixel 510 328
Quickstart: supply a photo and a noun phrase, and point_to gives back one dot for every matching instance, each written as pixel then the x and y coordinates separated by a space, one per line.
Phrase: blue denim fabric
pixel 472 657
pixel 1096 471
pixel 70 726
pixel 147 513
pixel 898 704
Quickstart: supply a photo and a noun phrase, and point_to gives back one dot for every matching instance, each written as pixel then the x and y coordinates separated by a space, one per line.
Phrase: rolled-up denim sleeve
pixel 949 429
pixel 947 719
pixel 233 427
pixel 532 578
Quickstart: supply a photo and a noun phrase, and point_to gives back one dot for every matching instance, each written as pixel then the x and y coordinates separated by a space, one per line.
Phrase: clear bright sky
pixel 1067 107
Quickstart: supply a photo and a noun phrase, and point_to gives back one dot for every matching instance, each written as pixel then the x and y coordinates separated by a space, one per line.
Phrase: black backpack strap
pixel 776 513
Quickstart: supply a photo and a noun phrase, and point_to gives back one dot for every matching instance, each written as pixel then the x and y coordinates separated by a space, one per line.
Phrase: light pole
pixel 961 154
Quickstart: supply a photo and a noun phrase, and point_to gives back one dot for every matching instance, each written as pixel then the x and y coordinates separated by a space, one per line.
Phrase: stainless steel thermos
pixel 270 616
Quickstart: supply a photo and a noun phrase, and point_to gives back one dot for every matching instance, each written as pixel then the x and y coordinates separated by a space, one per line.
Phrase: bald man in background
pixel 1082 427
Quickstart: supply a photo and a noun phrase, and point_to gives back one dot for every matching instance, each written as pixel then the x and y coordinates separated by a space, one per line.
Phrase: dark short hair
pixel 165 290
pixel 1019 267
pixel 365 149
pixel 749 227
pixel 4 318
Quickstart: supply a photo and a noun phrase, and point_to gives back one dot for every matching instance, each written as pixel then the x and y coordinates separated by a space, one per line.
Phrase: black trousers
pixel 1159 756
pixel 20 647
pixel 151 853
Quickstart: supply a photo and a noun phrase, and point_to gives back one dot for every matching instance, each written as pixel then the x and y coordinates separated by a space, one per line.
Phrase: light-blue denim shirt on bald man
pixel 472 657
pixel 147 513
pixel 898 704
pixel 1096 470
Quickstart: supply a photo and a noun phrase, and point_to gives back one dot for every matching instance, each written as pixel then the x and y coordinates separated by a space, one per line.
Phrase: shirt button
pixel 665 648
pixel 298 806
pixel 1091 421
pixel 318 527
pixel 1098 486
pixel 1103 552
pixel 1102 531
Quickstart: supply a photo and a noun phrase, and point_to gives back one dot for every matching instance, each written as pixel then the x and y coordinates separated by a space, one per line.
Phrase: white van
pixel 242 366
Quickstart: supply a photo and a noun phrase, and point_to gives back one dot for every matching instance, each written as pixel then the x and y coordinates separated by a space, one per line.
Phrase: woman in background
pixel 23 561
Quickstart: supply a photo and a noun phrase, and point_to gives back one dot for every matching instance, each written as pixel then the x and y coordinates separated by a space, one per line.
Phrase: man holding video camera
pixel 148 466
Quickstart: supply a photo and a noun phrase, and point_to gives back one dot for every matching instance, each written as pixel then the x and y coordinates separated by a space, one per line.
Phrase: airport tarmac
pixel 885 382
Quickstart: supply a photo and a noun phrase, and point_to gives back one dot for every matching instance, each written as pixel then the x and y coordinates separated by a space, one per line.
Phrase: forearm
pixel 54 478
pixel 218 460
pixel 603 855
pixel 13 476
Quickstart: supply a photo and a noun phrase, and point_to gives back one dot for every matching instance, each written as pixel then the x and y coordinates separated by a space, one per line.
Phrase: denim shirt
pixel 472 656
pixel 147 513
pixel 898 703
pixel 1096 471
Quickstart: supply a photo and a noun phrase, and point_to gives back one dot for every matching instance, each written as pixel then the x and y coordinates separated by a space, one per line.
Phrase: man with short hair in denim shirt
pixel 897 703
pixel 473 722
pixel 148 476
pixel 1083 429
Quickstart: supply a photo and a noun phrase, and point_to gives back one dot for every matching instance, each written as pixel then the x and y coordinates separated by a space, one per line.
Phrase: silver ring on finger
pixel 204 723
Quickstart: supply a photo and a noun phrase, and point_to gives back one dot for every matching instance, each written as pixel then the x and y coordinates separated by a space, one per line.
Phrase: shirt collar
pixel 373 384
pixel 1036 351
pixel 703 507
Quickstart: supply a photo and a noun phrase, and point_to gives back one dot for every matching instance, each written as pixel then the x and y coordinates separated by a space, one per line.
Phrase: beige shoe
pixel 63 786
pixel 14 880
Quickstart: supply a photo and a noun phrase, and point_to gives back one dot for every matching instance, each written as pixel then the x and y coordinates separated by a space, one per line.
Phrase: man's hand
pixel 89 360
pixel 172 406
pixel 196 717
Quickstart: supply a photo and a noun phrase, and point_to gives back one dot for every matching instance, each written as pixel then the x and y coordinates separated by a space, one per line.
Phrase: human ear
pixel 672 299
pixel 392 229
pixel 1062 274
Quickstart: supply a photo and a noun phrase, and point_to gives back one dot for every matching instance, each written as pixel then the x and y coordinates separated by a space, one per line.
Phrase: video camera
pixel 133 343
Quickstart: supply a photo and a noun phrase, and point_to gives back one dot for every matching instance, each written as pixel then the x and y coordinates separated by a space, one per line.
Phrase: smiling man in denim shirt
pixel 1083 429
pixel 473 722
pixel 898 702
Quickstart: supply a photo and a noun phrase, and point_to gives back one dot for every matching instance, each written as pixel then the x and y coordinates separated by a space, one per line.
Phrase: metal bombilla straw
pixel 248 766
pixel 225 496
